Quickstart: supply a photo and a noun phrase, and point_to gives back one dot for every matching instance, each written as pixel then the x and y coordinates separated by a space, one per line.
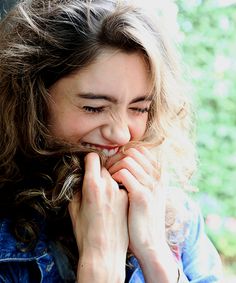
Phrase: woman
pixel 95 132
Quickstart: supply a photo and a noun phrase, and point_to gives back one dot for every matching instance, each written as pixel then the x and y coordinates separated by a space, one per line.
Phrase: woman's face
pixel 103 106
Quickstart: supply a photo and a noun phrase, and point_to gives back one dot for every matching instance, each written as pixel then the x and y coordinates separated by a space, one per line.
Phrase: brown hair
pixel 45 40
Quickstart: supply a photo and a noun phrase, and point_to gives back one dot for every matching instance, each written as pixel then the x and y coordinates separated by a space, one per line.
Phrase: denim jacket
pixel 198 260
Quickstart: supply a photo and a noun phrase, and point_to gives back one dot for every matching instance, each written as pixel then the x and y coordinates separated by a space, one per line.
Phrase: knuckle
pixel 124 172
pixel 142 200
pixel 127 161
pixel 91 182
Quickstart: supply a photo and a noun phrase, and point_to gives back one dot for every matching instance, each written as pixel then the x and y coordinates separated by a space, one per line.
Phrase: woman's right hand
pixel 99 219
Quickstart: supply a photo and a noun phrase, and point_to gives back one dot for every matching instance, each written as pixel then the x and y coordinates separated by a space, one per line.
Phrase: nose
pixel 117 132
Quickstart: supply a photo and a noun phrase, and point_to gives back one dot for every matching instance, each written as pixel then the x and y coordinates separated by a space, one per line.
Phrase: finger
pixel 114 159
pixel 92 166
pixel 93 184
pixel 132 166
pixel 113 189
pixel 138 164
pixel 137 193
pixel 142 155
pixel 127 180
pixel 151 156
pixel 110 182
pixel 145 159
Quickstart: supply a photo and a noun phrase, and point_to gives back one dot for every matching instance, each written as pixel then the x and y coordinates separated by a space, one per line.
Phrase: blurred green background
pixel 207 39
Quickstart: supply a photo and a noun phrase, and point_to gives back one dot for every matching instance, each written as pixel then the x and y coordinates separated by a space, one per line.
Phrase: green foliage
pixel 225 242
pixel 208 44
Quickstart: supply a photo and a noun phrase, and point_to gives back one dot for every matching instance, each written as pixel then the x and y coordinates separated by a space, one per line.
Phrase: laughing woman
pixel 95 149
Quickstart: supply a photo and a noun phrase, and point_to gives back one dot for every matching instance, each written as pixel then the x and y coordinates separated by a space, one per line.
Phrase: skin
pixel 106 107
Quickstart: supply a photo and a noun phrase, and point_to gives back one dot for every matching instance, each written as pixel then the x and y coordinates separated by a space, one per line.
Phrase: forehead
pixel 115 71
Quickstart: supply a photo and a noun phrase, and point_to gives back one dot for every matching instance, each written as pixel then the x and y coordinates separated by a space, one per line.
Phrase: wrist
pixel 159 265
pixel 97 266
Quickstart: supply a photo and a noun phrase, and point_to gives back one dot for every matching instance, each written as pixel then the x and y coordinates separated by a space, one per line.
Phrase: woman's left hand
pixel 139 172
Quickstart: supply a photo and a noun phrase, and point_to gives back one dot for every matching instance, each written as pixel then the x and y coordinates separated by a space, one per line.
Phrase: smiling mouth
pixel 108 152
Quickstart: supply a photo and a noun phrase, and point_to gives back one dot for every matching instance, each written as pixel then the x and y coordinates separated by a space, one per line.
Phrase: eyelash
pixel 91 109
pixel 140 110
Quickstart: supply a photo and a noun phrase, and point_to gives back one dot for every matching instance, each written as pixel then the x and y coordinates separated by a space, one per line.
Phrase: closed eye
pixel 140 110
pixel 91 109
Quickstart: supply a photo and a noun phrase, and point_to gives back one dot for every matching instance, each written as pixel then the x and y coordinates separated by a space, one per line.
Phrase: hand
pixel 139 173
pixel 99 219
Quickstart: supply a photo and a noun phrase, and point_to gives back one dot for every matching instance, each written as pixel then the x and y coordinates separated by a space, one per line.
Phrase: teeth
pixel 106 152
pixel 110 152
pixel 90 146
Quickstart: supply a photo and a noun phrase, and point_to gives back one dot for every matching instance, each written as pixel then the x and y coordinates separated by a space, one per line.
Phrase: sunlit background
pixel 205 32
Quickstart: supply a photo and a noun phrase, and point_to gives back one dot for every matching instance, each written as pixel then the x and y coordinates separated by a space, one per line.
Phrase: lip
pixel 99 146
pixel 107 150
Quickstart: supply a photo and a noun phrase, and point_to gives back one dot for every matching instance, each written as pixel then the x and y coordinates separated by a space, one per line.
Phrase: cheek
pixel 74 128
pixel 138 129
pixel 66 126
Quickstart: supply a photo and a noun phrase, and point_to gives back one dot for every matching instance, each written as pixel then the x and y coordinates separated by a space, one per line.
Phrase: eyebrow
pixel 94 96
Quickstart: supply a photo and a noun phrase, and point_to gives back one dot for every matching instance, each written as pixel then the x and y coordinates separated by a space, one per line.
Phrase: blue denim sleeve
pixel 11 272
pixel 134 273
pixel 201 262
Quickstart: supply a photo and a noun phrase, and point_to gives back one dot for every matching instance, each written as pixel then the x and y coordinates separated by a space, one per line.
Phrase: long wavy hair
pixel 43 41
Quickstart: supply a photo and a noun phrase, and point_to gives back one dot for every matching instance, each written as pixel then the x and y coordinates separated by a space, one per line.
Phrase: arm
pixel 160 266
pixel 139 173
pixel 93 267
pixel 99 219
pixel 200 262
